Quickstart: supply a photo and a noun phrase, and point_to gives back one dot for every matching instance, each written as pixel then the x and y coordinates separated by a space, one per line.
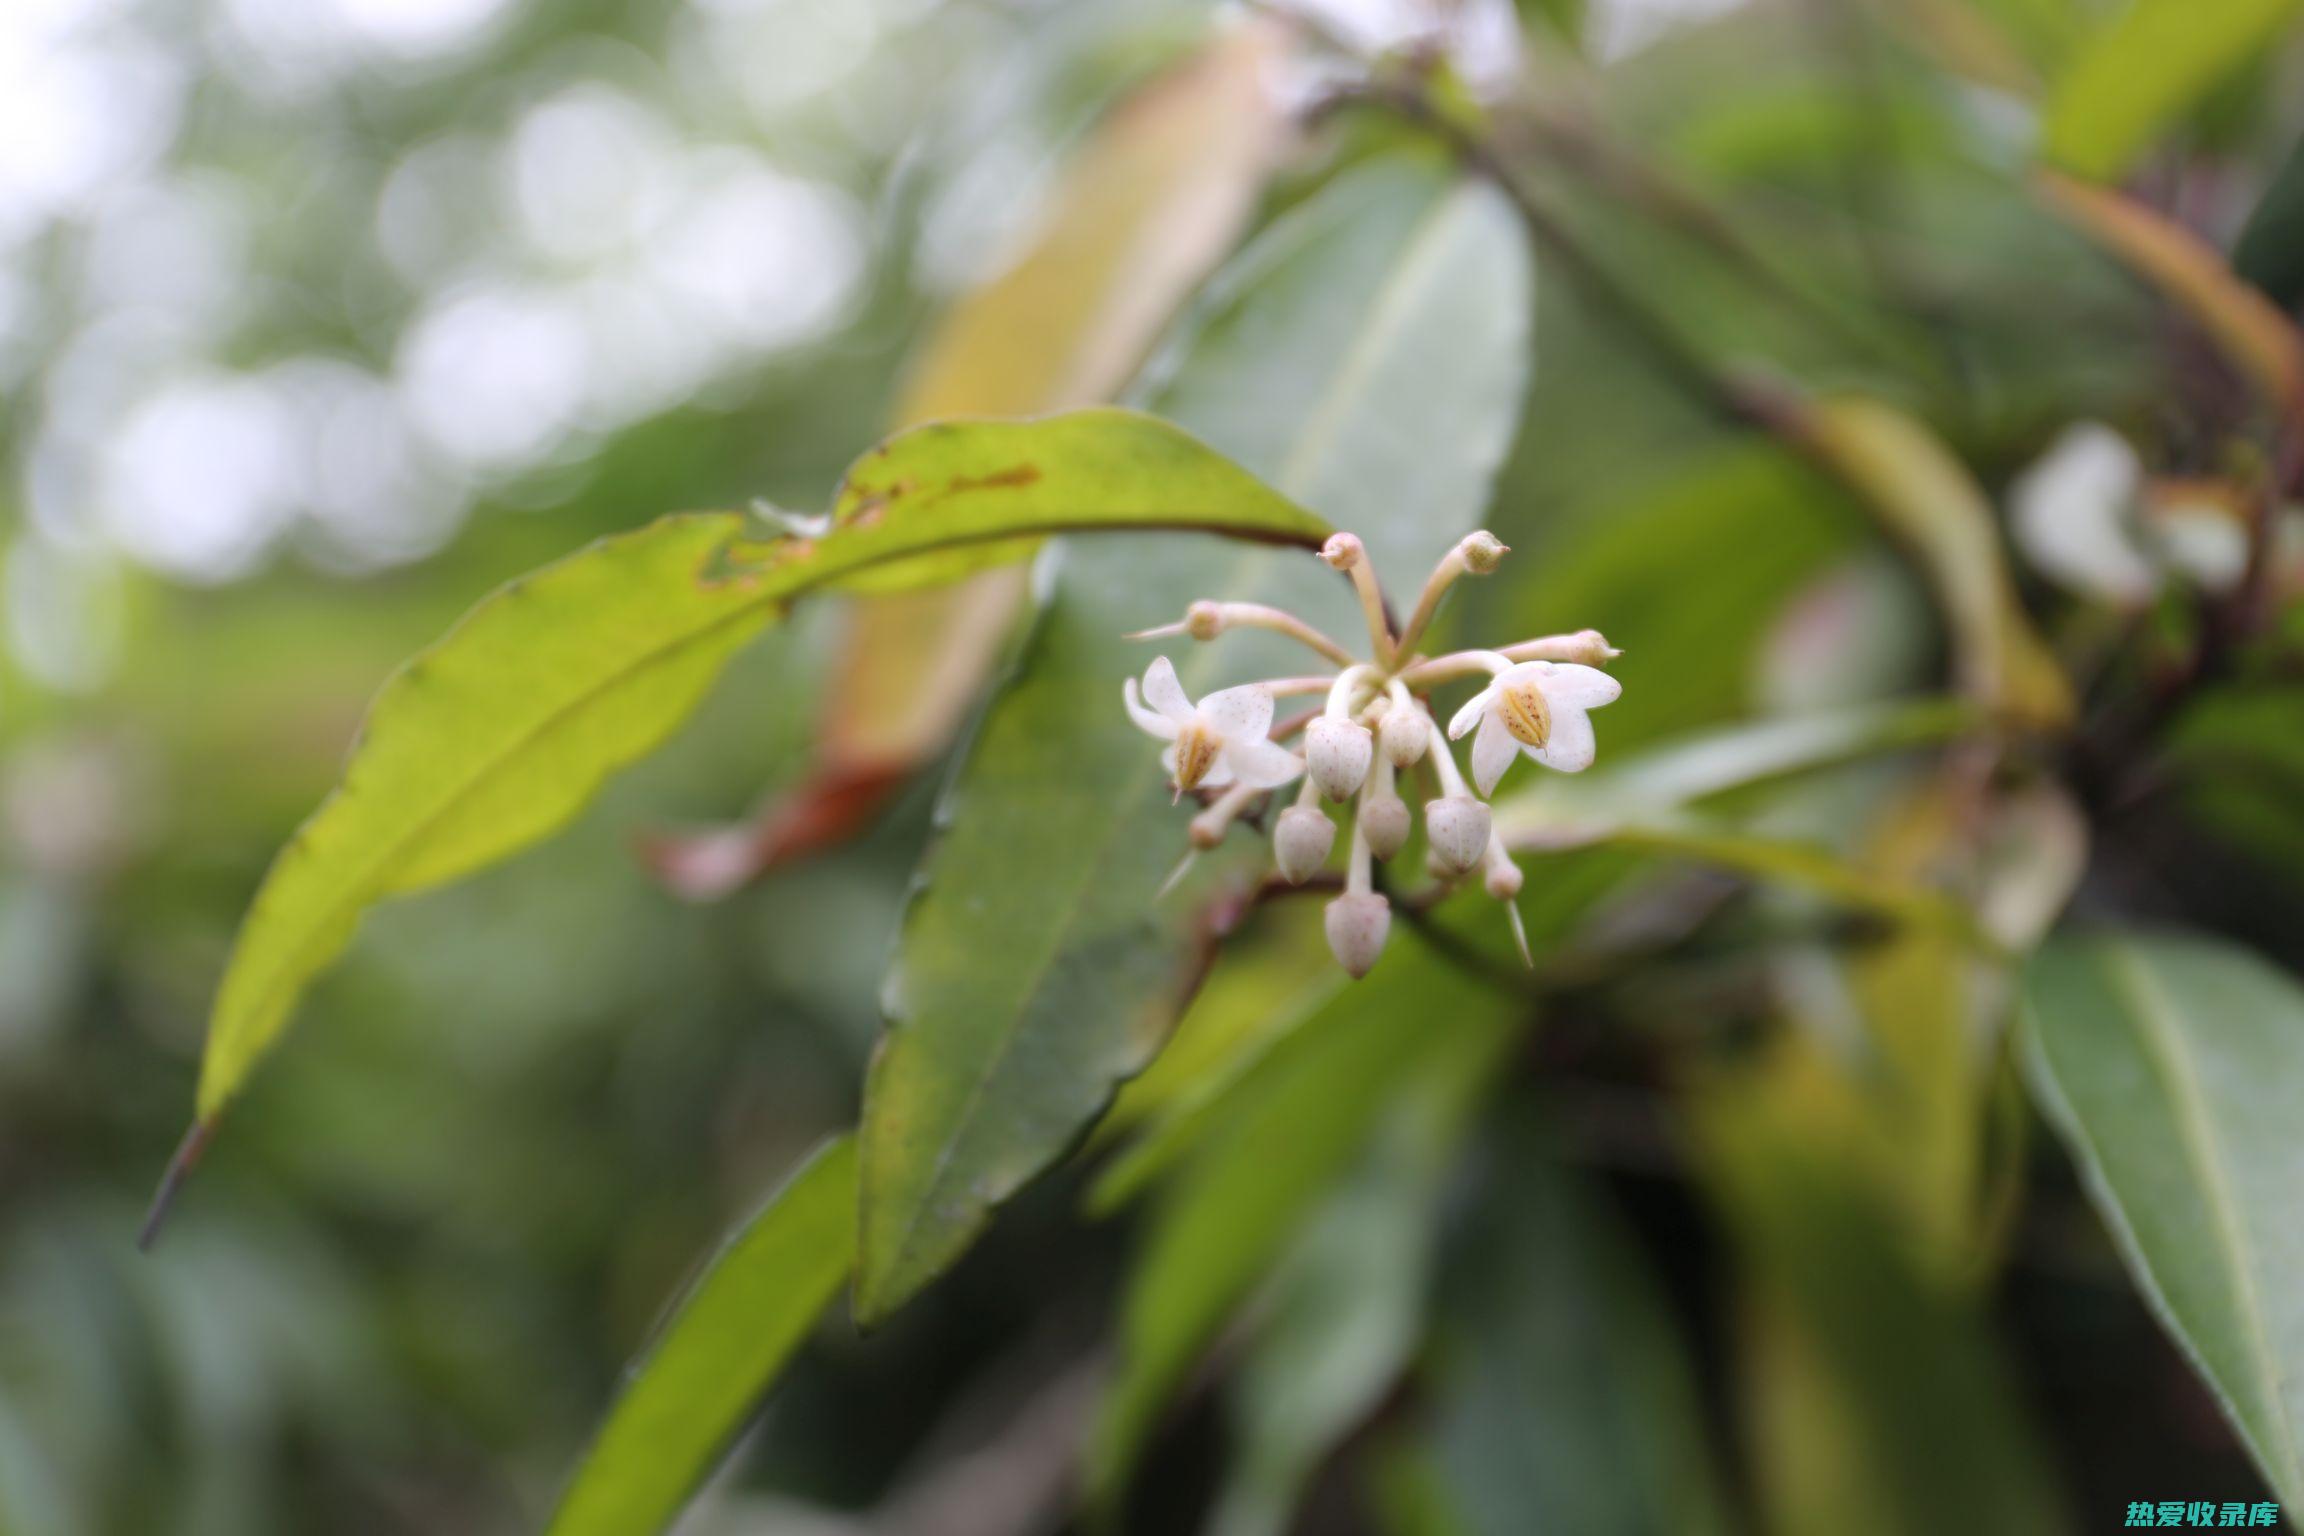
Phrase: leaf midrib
pixel 2165 1049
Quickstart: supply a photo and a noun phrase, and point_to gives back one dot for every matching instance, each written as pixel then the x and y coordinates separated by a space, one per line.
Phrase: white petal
pixel 1158 724
pixel 1569 747
pixel 1492 751
pixel 1569 686
pixel 1265 764
pixel 1463 719
pixel 1240 713
pixel 1164 693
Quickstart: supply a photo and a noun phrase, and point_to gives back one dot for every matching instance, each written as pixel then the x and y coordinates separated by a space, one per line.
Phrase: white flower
pixel 1536 707
pixel 1225 737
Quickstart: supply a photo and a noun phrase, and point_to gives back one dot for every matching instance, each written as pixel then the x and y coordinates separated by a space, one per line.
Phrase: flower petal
pixel 1164 693
pixel 1158 724
pixel 1569 686
pixel 1570 746
pixel 1492 751
pixel 1265 764
pixel 1240 713
pixel 1464 719
pixel 1217 776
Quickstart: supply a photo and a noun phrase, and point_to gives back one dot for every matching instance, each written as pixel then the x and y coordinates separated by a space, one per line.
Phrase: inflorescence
pixel 1375 727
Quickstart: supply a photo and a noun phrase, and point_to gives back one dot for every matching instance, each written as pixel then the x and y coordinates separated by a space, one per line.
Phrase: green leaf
pixel 717 1353
pixel 1760 753
pixel 2147 68
pixel 2173 1068
pixel 505 729
pixel 1416 1037
pixel 1335 1326
pixel 1366 354
pixel 1645 802
pixel 2270 252
pixel 1563 1399
pixel 1875 1395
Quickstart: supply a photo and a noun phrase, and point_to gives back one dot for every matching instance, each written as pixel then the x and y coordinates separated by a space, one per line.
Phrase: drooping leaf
pixel 1366 354
pixel 502 731
pixel 1561 1395
pixel 2172 1067
pixel 2270 251
pixel 716 1354
pixel 2261 342
pixel 1927 501
pixel 1417 1037
pixel 2149 66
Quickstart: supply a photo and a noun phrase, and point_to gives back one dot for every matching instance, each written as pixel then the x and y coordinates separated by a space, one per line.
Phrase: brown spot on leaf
pixel 1002 479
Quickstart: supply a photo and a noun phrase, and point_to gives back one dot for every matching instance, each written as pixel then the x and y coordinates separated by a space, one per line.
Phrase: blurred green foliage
pixel 1759 331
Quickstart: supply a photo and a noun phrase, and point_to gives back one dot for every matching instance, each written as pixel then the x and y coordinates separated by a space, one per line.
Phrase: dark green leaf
pixel 2270 253
pixel 1563 1400
pixel 717 1353
pixel 1416 1038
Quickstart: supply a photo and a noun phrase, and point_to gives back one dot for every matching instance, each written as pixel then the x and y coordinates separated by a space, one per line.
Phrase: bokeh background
pixel 319 318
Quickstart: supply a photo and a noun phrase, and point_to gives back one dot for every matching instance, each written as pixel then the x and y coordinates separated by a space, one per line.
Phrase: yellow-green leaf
pixel 502 731
pixel 717 1352
pixel 2144 70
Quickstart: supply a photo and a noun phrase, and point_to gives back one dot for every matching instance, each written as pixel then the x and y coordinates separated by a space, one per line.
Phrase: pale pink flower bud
pixel 1357 927
pixel 1403 736
pixel 1457 827
pixel 1384 822
pixel 1337 753
pixel 1343 550
pixel 1301 842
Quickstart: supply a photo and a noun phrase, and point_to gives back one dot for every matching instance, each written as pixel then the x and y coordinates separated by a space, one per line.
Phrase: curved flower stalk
pixel 1373 736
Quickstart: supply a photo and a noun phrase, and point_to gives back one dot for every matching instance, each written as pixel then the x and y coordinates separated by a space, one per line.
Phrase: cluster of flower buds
pixel 1374 732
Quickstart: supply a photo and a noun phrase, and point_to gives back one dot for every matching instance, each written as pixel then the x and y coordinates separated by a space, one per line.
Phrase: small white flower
pixel 1537 707
pixel 1223 738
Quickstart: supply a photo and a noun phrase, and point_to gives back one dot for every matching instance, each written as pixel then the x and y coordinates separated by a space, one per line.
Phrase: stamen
pixel 1522 708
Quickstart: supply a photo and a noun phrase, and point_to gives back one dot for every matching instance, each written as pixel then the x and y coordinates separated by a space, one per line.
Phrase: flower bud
pixel 1457 828
pixel 1301 842
pixel 1357 927
pixel 1483 552
pixel 1337 753
pixel 1384 822
pixel 1403 736
pixel 1343 550
pixel 1503 878
pixel 1591 648
pixel 1204 620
